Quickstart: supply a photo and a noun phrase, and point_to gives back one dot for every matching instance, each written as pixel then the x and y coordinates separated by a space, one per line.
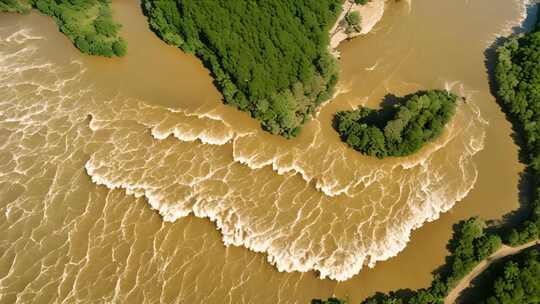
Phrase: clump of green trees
pixel 518 81
pixel 87 23
pixel 13 6
pixel 517 76
pixel 400 129
pixel 518 281
pixel 268 58
pixel 351 23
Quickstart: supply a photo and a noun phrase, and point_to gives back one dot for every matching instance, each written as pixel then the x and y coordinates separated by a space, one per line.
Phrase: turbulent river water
pixel 115 173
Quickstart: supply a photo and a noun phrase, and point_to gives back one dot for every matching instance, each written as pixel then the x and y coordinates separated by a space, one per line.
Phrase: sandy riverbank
pixel 370 14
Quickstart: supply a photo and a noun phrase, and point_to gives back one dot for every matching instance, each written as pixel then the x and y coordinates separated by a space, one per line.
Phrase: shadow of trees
pixel 482 286
pixel 526 183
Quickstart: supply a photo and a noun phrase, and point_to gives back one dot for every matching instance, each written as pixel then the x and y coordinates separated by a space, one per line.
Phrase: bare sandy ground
pixel 504 251
pixel 370 15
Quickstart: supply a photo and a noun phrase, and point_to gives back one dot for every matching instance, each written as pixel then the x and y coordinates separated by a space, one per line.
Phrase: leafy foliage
pixel 87 23
pixel 351 23
pixel 397 130
pixel 269 58
pixel 518 282
pixel 518 78
pixel 13 6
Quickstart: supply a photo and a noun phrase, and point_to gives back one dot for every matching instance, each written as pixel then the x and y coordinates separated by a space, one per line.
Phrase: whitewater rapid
pixel 309 205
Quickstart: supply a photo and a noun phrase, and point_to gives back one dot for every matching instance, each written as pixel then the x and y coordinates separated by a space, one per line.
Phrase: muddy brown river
pixel 128 181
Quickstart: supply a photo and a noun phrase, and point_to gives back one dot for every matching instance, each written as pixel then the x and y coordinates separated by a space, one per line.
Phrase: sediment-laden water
pixel 114 174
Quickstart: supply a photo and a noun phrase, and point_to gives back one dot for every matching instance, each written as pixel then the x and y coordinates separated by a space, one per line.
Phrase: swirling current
pixel 79 165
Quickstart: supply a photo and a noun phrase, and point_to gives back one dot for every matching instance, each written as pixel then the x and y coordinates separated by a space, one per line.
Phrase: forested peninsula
pixel 87 23
pixel 269 58
pixel 517 82
pixel 399 129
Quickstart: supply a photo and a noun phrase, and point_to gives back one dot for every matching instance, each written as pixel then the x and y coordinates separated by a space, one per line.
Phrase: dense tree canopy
pixel 397 130
pixel 87 23
pixel 13 6
pixel 518 282
pixel 269 57
pixel 518 80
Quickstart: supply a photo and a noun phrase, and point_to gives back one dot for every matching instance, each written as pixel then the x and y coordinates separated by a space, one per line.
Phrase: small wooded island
pixel 400 129
pixel 517 83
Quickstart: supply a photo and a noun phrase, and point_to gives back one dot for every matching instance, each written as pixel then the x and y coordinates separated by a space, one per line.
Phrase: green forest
pixel 517 281
pixel 518 81
pixel 87 23
pixel 269 58
pixel 399 129
pixel 14 6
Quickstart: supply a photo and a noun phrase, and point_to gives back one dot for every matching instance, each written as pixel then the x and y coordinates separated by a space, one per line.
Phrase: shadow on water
pixel 482 286
pixel 404 294
pixel 526 184
pixel 378 117
pixel 386 111
pixel 445 270
pixel 390 100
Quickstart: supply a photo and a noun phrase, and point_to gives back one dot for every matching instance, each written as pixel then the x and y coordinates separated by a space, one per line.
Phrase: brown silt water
pixel 129 181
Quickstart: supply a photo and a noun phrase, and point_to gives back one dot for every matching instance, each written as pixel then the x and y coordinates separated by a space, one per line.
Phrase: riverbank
pixel 89 27
pixel 503 252
pixel 370 14
pixel 324 225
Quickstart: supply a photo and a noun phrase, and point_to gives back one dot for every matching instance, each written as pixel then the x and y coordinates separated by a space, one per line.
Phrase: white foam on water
pixel 176 195
pixel 516 26
pixel 373 67
pixel 304 216
pixel 22 36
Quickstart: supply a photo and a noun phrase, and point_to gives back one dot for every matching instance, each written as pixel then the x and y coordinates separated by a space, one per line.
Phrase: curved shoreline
pixel 465 282
pixel 370 14
pixel 235 231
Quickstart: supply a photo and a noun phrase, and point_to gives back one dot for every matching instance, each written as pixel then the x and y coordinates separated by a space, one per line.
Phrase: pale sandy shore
pixel 504 251
pixel 370 15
